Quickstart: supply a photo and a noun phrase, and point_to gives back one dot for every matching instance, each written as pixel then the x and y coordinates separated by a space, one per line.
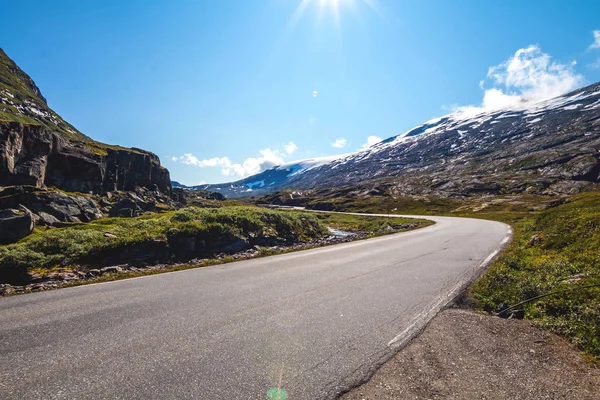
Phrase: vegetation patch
pixel 89 243
pixel 554 252
pixel 176 237
pixel 372 226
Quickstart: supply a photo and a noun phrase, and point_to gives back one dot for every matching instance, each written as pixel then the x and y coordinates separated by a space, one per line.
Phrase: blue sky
pixel 222 89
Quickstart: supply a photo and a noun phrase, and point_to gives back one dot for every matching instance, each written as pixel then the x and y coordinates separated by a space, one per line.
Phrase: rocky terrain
pixel 50 173
pixel 545 148
pixel 38 148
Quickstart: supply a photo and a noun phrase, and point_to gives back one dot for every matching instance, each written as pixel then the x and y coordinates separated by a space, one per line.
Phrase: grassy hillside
pixel 555 250
pixel 22 101
pixel 90 243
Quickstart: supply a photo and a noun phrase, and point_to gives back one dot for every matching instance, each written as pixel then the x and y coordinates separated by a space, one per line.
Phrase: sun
pixel 329 6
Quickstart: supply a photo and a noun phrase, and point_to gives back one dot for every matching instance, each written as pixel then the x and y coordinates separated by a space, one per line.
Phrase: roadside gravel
pixel 466 355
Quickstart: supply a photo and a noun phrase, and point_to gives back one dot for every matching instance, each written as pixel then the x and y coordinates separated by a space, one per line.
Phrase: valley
pixel 319 300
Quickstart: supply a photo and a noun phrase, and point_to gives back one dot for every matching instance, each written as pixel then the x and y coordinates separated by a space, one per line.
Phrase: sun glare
pixel 329 7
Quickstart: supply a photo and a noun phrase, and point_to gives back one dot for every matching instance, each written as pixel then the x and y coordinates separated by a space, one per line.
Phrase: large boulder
pixel 15 225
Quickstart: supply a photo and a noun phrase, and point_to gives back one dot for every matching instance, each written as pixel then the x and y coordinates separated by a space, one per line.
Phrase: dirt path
pixel 465 355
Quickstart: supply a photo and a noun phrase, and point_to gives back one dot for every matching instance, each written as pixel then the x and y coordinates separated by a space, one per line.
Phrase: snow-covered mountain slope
pixel 266 181
pixel 551 146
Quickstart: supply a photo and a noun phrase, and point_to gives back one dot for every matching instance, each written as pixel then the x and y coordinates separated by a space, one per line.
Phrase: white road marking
pixel 423 318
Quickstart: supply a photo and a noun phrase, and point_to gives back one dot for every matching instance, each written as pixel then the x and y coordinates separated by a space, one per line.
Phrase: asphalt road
pixel 313 322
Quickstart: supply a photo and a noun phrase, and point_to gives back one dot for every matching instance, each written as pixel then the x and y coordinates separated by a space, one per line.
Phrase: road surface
pixel 312 323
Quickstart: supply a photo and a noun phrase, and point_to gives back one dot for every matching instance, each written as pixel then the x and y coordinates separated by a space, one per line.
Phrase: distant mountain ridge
pixel 549 147
pixel 263 181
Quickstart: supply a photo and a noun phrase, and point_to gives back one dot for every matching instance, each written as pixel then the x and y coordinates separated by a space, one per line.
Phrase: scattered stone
pixel 536 239
pixel 110 235
pixel 111 270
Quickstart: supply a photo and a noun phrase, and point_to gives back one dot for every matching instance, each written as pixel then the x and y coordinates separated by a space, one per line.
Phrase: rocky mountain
pixel 548 147
pixel 38 148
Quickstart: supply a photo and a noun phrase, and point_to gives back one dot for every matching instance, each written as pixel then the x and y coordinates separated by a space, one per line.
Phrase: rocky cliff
pixel 39 148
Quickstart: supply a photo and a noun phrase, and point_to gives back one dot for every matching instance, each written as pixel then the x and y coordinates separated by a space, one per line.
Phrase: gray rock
pixel 47 219
pixel 93 273
pixel 132 206
pixel 15 225
pixel 111 270
pixel 51 152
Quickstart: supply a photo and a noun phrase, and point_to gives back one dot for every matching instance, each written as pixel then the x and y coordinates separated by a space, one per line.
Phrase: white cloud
pixel 315 93
pixel 596 44
pixel 253 165
pixel 339 143
pixel 371 140
pixel 189 159
pixel 291 147
pixel 595 64
pixel 527 77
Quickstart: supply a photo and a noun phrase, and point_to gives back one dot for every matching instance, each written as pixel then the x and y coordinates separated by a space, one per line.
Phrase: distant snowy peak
pixel 266 181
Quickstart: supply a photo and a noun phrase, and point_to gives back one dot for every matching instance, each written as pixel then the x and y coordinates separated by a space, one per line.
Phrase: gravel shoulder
pixel 466 355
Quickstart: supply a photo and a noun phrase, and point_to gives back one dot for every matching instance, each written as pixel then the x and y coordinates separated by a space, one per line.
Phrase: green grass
pixel 371 225
pixel 50 248
pixel 566 257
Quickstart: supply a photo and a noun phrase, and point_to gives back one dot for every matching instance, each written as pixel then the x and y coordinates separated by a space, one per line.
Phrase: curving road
pixel 313 323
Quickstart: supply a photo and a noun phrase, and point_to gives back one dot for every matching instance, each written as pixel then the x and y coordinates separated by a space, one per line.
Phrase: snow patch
pixel 260 184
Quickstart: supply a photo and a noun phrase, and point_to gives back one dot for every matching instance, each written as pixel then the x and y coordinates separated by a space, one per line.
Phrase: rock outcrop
pixel 50 207
pixel 39 148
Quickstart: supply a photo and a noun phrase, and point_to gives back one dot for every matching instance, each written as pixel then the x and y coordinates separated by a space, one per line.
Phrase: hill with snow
pixel 546 147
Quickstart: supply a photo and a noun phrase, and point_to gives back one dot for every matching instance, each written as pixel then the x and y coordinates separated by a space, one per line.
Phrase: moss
pixel 48 248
